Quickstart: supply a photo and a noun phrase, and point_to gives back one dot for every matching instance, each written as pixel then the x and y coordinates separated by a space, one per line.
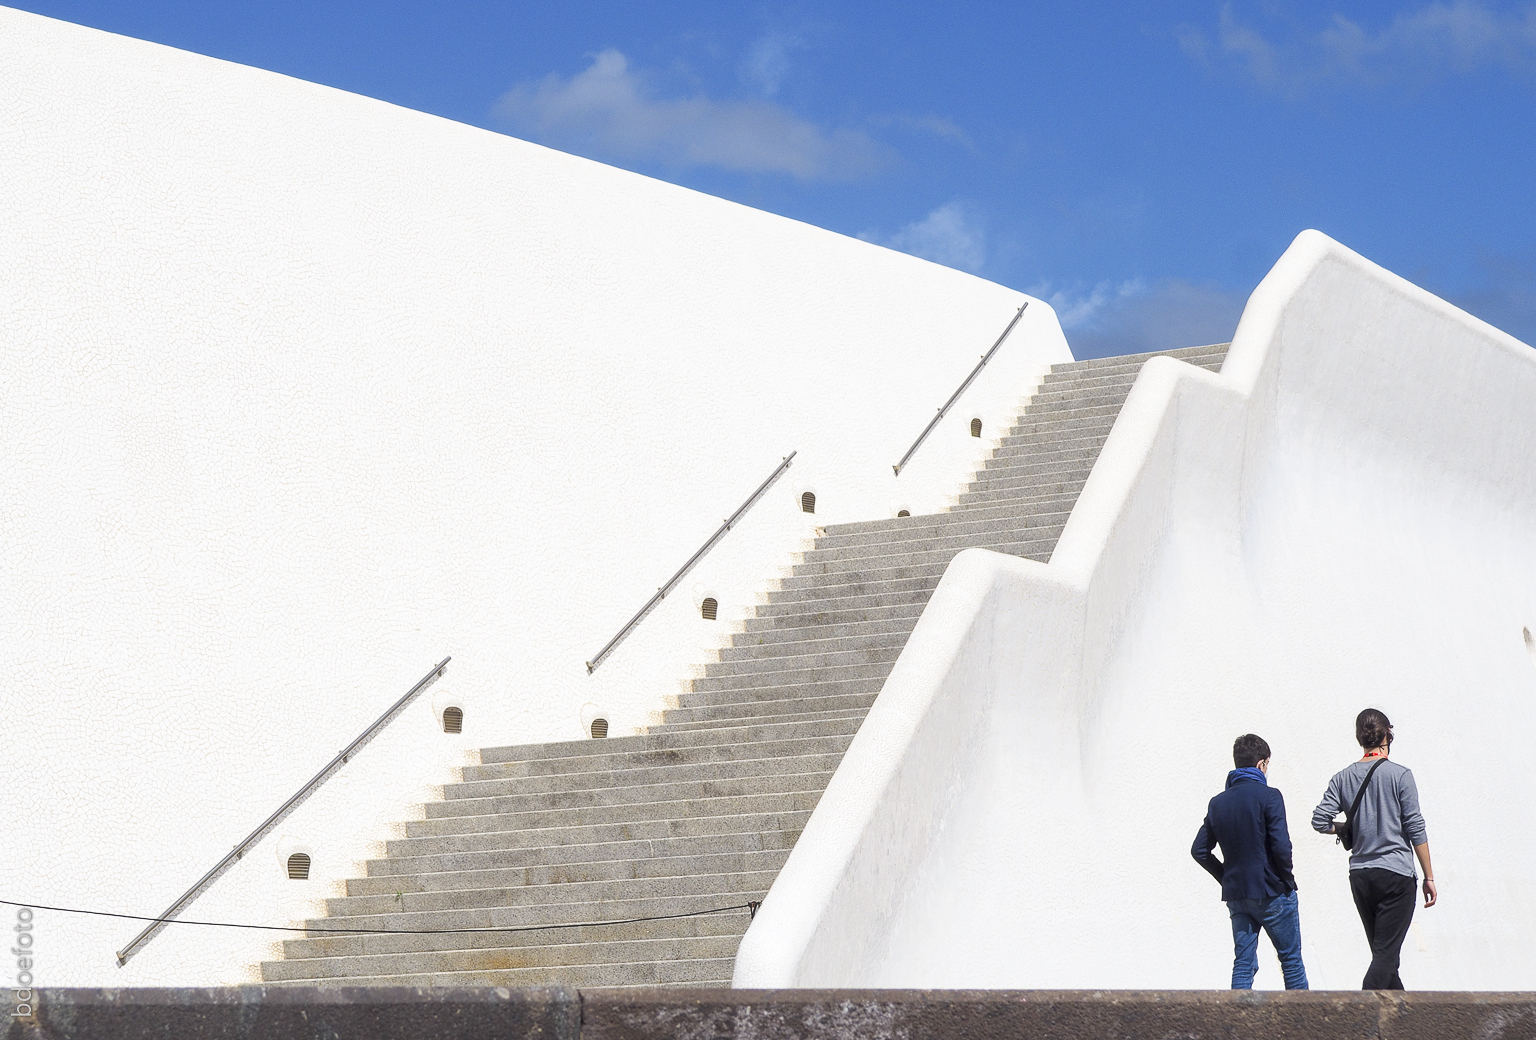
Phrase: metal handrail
pixel 304 792
pixel 661 593
pixel 956 395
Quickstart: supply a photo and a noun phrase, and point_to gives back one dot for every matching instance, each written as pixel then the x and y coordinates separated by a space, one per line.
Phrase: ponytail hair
pixel 1373 729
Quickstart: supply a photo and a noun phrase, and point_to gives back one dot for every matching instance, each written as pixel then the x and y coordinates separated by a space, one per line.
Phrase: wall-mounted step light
pixel 709 608
pixel 903 513
pixel 599 728
pixel 975 427
pixel 298 867
pixel 808 502
pixel 453 720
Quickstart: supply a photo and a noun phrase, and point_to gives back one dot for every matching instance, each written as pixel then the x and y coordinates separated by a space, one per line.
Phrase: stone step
pixel 1030 541
pixel 590 756
pixel 812 635
pixel 947 538
pixel 695 974
pixel 1137 360
pixel 1063 421
pixel 1130 364
pixel 1025 475
pixel 612 745
pixel 733 923
pixel 1001 492
pixel 671 772
pixel 1057 497
pixel 815 597
pixel 751 694
pixel 844 715
pixel 391 870
pixel 816 636
pixel 784 800
pixel 1009 455
pixel 503 958
pixel 945 529
pixel 753 709
pixel 509 923
pixel 1054 402
pixel 510 839
pixel 728 679
pixel 708 862
pixel 734 887
pixel 808 620
pixel 813 653
pixel 1075 457
pixel 623 792
pixel 801 588
pixel 752 675
pixel 1050 445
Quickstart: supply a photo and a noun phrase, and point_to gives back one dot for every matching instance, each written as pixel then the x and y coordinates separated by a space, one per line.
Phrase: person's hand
pixel 1429 893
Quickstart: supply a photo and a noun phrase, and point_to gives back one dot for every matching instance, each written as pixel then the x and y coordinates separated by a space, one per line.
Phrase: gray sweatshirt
pixel 1389 823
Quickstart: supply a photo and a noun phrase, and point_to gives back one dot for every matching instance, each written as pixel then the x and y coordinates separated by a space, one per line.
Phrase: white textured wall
pixel 303 392
pixel 1344 517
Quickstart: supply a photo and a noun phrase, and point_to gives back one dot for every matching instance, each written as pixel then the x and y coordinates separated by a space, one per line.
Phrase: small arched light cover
pixel 975 427
pixel 453 719
pixel 808 502
pixel 298 866
pixel 902 512
pixel 594 720
pixel 709 609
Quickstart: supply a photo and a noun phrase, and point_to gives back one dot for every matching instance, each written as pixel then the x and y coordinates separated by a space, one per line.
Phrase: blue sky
pixel 1141 165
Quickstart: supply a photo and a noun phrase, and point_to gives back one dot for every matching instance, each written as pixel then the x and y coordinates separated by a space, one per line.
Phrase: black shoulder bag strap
pixel 1346 831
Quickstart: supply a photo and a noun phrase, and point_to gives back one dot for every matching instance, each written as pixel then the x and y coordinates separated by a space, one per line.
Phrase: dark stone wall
pixel 261 1013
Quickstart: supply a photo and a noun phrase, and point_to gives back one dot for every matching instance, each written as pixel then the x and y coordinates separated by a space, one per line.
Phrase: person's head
pixel 1249 750
pixel 1373 729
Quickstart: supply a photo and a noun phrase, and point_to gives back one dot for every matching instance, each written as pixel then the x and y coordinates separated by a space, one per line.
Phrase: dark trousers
pixel 1385 900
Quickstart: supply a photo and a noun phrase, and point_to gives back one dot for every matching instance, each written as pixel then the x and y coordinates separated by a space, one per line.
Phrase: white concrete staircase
pixel 701 811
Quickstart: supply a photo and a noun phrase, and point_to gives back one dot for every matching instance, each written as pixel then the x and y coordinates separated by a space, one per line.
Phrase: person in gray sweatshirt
pixel 1389 834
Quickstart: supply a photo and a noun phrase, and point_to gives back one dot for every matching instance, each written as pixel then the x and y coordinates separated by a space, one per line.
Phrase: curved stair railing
pixel 234 855
pixel 661 593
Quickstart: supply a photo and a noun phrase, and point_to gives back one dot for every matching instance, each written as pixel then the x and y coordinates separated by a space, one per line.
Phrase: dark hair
pixel 1249 750
pixel 1373 728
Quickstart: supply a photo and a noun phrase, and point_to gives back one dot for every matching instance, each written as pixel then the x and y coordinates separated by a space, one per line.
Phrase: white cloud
pixel 1425 42
pixel 767 62
pixel 1075 309
pixel 939 126
pixel 1132 317
pixel 611 109
pixel 950 235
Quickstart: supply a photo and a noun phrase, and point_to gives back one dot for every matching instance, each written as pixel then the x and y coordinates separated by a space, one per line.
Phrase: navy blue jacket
pixel 1248 821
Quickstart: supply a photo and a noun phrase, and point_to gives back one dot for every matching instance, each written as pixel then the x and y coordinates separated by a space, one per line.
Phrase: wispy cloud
pixel 1078 307
pixel 767 62
pixel 951 235
pixel 938 126
pixel 1130 317
pixel 1421 43
pixel 613 110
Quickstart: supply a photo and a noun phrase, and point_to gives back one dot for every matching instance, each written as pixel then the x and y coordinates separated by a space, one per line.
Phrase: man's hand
pixel 1422 851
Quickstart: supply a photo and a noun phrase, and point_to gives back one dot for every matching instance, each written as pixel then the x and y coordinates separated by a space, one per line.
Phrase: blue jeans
pixel 1281 921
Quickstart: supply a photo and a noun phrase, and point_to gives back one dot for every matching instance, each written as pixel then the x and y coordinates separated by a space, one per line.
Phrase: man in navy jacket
pixel 1248 821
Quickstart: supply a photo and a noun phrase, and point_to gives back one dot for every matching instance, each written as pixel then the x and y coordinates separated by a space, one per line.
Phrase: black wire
pixel 386 931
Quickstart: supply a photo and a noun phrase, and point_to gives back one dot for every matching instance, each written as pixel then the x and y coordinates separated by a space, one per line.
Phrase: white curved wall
pixel 304 392
pixel 1344 517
